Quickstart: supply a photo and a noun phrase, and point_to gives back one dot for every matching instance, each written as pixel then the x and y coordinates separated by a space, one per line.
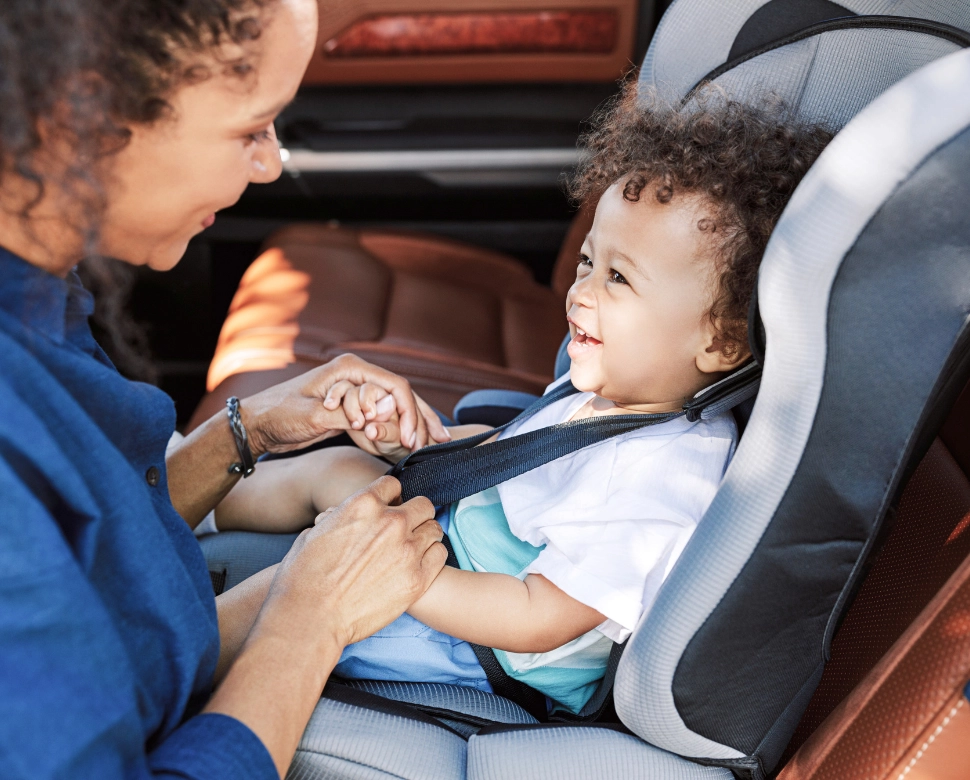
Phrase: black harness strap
pixel 449 472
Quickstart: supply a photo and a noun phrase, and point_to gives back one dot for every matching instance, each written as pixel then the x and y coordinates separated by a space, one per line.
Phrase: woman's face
pixel 168 183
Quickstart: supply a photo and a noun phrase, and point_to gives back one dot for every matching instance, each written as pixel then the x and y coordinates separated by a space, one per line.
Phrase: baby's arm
pixel 284 496
pixel 500 611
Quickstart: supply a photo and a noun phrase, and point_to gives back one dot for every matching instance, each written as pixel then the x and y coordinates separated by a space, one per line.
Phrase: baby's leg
pixel 286 495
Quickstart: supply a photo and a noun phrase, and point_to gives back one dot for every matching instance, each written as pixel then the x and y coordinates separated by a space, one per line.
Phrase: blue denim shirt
pixel 108 631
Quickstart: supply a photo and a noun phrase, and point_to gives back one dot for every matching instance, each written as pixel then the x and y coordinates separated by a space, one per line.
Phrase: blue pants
pixel 408 650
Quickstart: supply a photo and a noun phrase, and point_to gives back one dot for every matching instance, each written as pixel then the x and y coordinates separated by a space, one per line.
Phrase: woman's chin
pixel 166 258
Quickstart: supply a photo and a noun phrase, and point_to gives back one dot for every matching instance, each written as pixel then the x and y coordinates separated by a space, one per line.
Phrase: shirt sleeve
pixel 69 703
pixel 212 747
pixel 618 576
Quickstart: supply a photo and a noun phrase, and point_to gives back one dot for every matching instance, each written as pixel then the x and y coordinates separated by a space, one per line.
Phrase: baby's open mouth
pixel 585 339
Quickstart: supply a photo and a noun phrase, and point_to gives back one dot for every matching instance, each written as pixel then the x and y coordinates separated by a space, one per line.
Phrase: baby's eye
pixel 616 278
pixel 584 260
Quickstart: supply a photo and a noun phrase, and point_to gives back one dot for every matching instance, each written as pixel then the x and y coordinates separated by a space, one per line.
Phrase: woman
pixel 124 127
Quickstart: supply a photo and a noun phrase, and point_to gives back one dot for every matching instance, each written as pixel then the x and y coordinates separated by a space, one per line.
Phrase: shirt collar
pixel 37 299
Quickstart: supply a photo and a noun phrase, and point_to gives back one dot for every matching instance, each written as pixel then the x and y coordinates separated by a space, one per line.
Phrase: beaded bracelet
pixel 248 465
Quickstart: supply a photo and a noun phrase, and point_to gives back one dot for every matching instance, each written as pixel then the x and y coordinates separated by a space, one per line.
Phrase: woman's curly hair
pixel 744 160
pixel 80 73
pixel 83 71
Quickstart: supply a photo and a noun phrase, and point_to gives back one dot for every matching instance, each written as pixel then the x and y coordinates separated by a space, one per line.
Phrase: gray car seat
pixel 864 299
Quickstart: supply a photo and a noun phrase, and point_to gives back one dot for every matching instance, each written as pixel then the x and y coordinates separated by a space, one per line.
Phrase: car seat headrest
pixel 827 60
pixel 864 294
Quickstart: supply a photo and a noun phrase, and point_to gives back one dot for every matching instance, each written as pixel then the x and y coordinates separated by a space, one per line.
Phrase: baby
pixel 561 562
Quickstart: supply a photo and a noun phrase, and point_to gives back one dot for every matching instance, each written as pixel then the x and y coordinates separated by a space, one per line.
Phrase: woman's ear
pixel 721 355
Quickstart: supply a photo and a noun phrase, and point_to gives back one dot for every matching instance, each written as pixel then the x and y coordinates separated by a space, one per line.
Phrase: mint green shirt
pixel 482 540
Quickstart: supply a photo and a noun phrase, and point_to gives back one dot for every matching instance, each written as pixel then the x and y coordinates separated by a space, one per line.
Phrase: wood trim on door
pixel 446 41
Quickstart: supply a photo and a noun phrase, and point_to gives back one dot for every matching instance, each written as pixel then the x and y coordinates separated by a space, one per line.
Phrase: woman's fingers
pixel 357 569
pixel 419 511
pixel 315 405
pixel 335 395
pixel 387 490
pixel 436 428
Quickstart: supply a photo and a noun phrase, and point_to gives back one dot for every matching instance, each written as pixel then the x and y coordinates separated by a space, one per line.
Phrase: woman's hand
pixel 294 414
pixel 375 426
pixel 289 416
pixel 362 565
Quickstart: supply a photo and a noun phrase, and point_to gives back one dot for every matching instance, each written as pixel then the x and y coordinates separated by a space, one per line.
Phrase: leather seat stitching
pixel 932 738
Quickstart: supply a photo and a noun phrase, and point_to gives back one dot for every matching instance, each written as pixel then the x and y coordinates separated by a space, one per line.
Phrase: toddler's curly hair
pixel 745 160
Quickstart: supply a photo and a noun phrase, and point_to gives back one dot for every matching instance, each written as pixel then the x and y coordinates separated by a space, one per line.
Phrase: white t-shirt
pixel 614 517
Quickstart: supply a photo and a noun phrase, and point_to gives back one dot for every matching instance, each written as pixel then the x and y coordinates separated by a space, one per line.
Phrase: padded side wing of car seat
pixel 826 78
pixel 726 660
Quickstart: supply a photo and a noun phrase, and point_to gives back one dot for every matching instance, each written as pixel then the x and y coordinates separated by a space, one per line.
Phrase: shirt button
pixel 153 475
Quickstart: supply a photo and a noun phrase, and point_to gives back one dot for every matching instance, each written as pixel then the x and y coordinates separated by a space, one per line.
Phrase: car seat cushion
pixel 346 740
pixel 576 753
pixel 463 708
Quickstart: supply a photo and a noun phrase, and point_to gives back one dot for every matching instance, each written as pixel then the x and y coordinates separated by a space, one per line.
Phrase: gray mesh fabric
pixel 577 753
pixel 828 77
pixel 345 742
pixel 831 77
pixel 241 554
pixel 455 698
pixel 850 181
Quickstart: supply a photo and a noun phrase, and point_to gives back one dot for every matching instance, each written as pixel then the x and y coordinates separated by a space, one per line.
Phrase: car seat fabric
pixel 237 555
pixel 828 77
pixel 579 752
pixel 345 740
pixel 464 709
pixel 864 298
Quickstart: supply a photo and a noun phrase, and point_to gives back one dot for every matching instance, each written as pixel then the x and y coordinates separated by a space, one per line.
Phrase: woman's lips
pixel 209 221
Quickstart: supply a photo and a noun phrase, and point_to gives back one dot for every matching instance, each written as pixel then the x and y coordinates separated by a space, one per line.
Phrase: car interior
pixel 818 623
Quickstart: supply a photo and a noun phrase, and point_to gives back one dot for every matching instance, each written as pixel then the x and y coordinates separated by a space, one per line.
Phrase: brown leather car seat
pixel 891 701
pixel 450 317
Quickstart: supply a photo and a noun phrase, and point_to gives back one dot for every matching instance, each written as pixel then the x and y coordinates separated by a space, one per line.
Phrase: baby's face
pixel 639 308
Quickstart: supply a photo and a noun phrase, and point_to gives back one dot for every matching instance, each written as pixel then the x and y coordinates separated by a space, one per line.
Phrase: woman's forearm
pixel 273 686
pixel 238 608
pixel 500 611
pixel 198 469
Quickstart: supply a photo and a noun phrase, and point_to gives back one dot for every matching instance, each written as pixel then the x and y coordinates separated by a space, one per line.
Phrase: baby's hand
pixel 374 422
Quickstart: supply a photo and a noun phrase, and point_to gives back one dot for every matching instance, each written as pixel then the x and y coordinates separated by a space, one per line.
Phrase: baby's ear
pixel 722 354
